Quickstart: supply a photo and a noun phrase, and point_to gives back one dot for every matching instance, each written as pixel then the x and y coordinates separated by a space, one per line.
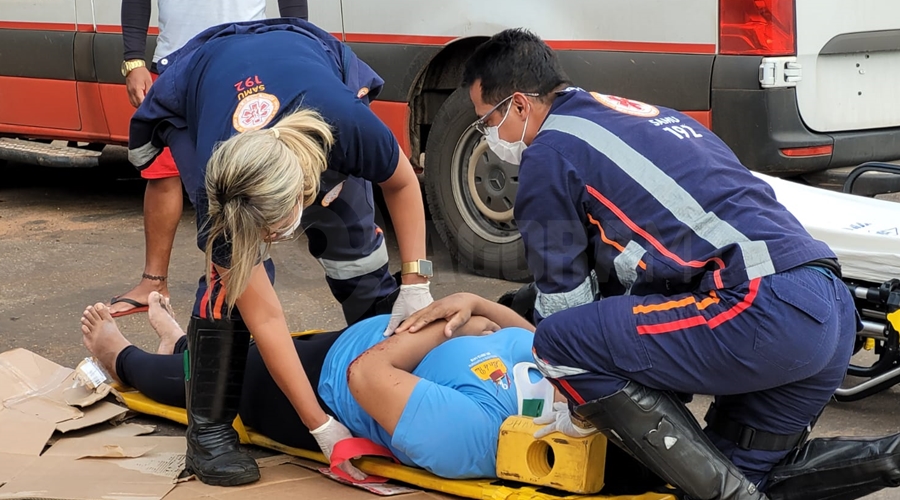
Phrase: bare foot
pixel 102 337
pixel 162 319
pixel 139 294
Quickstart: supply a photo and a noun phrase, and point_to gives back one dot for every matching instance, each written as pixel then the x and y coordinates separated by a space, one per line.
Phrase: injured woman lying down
pixel 412 393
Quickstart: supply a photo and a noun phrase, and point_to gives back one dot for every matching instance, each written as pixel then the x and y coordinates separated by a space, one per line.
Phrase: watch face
pixel 425 268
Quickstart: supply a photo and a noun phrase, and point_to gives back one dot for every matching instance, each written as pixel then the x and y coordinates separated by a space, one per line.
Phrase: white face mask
pixel 287 233
pixel 510 152
pixel 296 223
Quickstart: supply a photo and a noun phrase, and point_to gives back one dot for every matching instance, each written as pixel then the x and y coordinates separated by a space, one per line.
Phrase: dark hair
pixel 514 60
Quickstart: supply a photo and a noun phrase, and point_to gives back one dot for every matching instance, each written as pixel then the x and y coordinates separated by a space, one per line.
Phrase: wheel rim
pixel 484 189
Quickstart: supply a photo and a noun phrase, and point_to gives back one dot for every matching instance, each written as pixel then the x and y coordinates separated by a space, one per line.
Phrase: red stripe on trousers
pixel 567 388
pixel 671 326
pixel 742 306
pixel 204 301
pixel 693 321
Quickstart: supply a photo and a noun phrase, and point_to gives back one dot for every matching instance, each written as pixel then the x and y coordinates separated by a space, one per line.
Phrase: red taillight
pixel 808 151
pixel 756 27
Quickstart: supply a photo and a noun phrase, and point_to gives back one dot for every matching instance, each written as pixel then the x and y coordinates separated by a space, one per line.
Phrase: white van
pixel 793 86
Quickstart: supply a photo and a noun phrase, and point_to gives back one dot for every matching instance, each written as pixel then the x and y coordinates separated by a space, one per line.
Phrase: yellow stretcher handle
pixel 894 319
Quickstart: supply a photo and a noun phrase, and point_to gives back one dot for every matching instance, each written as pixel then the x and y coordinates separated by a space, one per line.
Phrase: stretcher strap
pixel 346 449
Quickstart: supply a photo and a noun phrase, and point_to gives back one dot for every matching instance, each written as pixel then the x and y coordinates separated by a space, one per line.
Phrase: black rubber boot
pixel 214 374
pixel 837 469
pixel 659 431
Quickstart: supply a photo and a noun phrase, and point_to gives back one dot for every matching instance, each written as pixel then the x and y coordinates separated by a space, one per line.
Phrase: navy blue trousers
pixel 772 351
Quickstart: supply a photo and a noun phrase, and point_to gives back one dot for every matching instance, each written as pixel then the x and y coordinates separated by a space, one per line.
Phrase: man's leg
pixel 594 356
pixel 162 211
pixel 343 236
pixel 618 360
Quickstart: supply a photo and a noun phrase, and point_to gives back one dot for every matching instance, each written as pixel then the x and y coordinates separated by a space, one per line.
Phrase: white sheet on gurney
pixel 863 232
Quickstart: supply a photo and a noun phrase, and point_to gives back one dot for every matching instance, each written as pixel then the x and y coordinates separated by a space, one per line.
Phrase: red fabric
pixel 164 165
pixel 353 448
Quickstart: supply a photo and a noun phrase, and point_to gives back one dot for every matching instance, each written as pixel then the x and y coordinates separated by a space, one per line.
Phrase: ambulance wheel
pixel 471 195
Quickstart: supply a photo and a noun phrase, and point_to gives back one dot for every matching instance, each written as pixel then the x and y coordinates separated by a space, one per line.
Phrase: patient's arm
pixel 380 378
pixel 457 309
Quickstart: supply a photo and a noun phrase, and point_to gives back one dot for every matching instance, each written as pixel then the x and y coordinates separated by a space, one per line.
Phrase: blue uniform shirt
pixel 451 423
pixel 617 196
pixel 246 76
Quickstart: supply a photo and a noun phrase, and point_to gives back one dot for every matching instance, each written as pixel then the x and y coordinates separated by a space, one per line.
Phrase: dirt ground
pixel 70 238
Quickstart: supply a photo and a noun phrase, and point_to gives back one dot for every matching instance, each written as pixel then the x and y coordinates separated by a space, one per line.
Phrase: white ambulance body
pixel 793 86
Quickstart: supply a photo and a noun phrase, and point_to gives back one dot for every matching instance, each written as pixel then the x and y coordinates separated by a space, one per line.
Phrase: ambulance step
pixel 47 155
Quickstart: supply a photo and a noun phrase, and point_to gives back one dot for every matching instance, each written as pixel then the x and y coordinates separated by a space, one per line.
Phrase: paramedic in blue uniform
pixel 662 266
pixel 269 125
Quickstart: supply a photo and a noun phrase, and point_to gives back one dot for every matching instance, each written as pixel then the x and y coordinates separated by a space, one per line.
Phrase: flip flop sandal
pixel 138 307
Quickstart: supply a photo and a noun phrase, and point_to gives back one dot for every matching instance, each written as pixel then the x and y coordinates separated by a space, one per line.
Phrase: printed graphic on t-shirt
pixel 489 367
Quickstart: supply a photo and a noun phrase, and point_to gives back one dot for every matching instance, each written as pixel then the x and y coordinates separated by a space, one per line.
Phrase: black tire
pixel 484 240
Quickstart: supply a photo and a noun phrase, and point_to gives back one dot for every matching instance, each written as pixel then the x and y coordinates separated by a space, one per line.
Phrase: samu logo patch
pixel 255 111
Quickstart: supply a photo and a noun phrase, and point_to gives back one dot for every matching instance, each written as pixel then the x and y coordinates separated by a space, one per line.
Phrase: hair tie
pixel 225 199
pixel 275 132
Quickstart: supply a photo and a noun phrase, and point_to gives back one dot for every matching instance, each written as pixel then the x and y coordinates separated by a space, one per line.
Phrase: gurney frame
pixel 879 309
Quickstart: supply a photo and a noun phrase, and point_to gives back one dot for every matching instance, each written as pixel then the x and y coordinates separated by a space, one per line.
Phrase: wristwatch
pixel 420 267
pixel 131 64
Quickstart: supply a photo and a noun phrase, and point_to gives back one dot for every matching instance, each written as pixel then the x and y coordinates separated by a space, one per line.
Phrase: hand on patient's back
pixel 456 309
pixel 559 420
pixel 328 435
pixel 412 298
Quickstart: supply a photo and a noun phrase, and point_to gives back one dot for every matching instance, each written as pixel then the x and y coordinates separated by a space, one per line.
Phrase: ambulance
pixel 795 87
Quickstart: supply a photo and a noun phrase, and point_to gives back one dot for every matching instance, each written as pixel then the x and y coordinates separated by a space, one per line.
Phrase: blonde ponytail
pixel 254 181
pixel 309 138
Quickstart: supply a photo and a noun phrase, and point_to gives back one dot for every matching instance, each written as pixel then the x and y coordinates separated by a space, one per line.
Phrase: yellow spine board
pixel 479 489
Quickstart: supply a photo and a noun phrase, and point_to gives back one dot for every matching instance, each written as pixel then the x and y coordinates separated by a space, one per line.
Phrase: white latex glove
pixel 559 420
pixel 411 299
pixel 327 435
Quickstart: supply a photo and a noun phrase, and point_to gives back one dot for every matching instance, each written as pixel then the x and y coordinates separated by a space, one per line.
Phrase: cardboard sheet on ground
pixel 863 232
pixel 45 391
pixel 102 467
pixel 469 488
pixel 281 476
pixel 40 397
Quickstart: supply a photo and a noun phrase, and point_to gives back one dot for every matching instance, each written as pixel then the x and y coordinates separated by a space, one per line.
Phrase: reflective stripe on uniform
pixel 626 264
pixel 548 303
pixel 348 269
pixel 666 191
pixel 555 372
pixel 143 155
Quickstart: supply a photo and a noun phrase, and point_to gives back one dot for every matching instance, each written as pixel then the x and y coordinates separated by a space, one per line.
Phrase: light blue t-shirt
pixel 451 423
